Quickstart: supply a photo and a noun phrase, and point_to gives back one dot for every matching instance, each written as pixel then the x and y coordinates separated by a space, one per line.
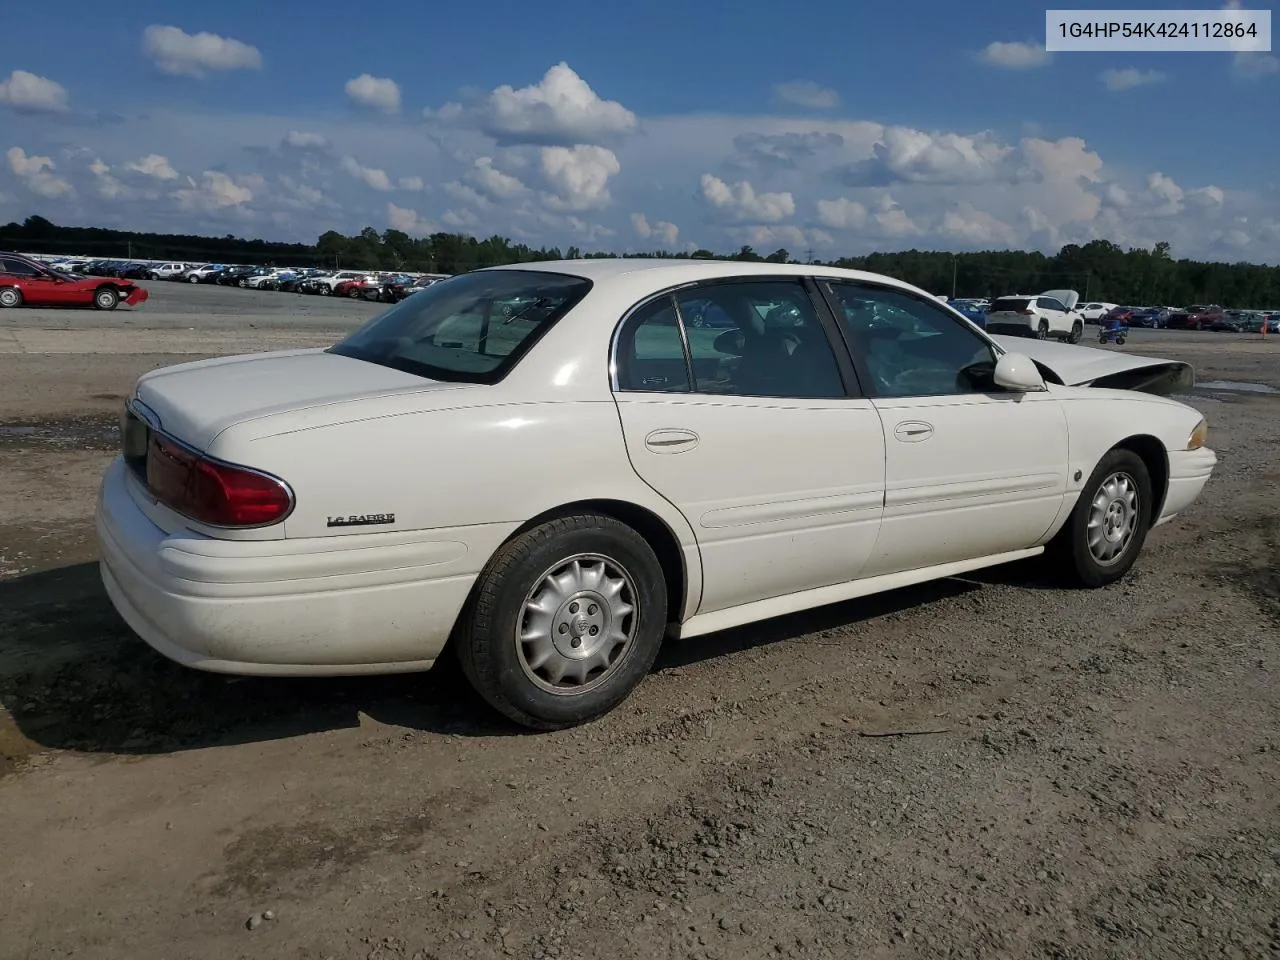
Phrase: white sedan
pixel 545 469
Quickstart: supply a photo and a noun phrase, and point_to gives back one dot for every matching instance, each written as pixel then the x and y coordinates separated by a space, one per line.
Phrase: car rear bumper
pixel 1009 328
pixel 319 606
pixel 1189 471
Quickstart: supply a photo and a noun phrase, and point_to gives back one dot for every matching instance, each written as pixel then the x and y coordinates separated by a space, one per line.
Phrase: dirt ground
pixel 1095 775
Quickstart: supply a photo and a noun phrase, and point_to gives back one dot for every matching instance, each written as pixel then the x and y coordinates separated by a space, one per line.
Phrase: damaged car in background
pixel 545 470
pixel 27 281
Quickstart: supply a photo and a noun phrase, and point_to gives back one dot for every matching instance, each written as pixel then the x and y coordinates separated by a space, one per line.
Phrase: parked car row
pixel 1194 317
pixel 356 284
pixel 1023 313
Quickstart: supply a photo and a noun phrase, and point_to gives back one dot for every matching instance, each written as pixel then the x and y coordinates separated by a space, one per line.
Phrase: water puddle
pixel 1236 386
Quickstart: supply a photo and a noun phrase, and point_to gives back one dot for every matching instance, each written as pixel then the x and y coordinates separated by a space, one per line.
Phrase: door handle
pixel 671 440
pixel 913 431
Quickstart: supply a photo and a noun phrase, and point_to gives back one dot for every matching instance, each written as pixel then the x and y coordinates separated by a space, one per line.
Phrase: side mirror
pixel 1016 372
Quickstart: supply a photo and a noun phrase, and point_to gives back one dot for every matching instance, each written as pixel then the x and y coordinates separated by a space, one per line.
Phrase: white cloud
pixel 411 184
pixel 905 154
pixel 215 191
pixel 579 175
pixel 743 203
pixel 376 93
pixel 370 176
pixel 1060 161
pixel 1254 65
pixel 30 93
pixel 408 221
pixel 37 174
pixel 842 214
pixel 560 110
pixel 1015 56
pixel 893 219
pixel 664 231
pixel 305 141
pixel 494 182
pixel 1167 194
pixel 178 53
pixel 805 93
pixel 1207 197
pixel 1131 77
pixel 154 165
pixel 976 228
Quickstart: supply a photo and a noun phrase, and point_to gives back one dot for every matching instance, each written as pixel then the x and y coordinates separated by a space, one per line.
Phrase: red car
pixel 23 280
pixel 1197 317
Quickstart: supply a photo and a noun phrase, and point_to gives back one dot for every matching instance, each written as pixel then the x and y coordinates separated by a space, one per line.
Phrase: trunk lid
pixel 195 402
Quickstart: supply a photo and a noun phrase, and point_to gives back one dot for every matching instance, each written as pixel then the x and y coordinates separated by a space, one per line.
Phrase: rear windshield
pixel 1009 303
pixel 472 328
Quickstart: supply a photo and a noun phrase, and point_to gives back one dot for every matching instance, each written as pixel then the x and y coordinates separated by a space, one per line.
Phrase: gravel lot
pixel 1099 778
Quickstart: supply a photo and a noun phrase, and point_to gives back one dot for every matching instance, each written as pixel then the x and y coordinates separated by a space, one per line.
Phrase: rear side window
pixel 16 268
pixel 472 328
pixel 1013 304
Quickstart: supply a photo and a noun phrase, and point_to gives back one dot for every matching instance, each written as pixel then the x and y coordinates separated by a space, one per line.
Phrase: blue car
pixel 970 310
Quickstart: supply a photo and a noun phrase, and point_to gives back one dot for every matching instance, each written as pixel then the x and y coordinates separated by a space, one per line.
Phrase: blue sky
pixel 836 127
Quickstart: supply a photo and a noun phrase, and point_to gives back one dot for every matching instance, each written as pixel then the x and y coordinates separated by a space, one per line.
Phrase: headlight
pixel 1198 435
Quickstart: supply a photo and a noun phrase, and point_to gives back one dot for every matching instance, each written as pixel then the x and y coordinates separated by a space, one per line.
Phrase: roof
pixel 670 271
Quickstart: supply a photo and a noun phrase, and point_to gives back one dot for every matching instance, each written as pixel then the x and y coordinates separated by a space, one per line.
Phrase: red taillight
pixel 211 492
pixel 1027 313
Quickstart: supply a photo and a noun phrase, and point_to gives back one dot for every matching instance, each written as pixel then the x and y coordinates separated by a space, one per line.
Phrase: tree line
pixel 1099 270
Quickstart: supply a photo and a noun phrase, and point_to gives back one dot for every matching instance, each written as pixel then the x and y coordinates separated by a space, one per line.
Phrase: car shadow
pixel 74 677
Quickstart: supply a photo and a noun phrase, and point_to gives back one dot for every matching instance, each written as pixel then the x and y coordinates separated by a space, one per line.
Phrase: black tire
pixel 106 298
pixel 1070 547
pixel 488 648
pixel 354 293
pixel 1120 341
pixel 10 297
pixel 1042 331
pixel 1077 331
pixel 193 279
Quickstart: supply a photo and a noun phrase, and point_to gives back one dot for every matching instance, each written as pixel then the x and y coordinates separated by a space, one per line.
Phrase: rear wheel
pixel 1103 536
pixel 10 297
pixel 105 298
pixel 565 622
pixel 1042 331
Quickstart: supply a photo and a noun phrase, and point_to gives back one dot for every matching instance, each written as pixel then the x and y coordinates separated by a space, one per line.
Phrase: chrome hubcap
pixel 1113 518
pixel 577 624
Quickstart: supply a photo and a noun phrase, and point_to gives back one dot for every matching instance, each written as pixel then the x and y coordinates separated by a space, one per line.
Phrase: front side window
pixel 912 348
pixel 470 328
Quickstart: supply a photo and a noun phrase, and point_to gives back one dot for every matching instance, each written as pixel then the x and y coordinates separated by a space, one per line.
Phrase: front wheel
pixel 1103 536
pixel 105 298
pixel 1077 331
pixel 565 621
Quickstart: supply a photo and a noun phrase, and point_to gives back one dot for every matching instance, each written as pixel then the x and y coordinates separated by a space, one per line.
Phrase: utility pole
pixel 954 262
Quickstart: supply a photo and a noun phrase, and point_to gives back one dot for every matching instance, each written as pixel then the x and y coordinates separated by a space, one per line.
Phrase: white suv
pixel 1094 312
pixel 1040 315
